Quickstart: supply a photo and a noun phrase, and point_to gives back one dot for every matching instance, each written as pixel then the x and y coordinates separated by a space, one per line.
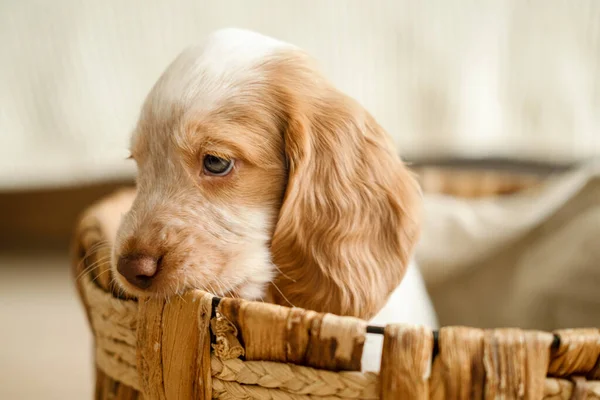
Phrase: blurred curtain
pixel 445 77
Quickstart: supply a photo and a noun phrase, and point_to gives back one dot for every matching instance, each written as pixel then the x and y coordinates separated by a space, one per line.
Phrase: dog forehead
pixel 205 77
pixel 234 48
pixel 213 69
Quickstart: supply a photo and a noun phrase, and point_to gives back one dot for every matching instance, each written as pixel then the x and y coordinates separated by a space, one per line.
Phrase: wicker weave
pixel 156 349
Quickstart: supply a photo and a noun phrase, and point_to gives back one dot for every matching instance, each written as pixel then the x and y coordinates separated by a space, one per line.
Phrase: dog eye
pixel 217 166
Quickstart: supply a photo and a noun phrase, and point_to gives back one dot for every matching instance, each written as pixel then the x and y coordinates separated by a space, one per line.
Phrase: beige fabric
pixel 469 78
pixel 530 260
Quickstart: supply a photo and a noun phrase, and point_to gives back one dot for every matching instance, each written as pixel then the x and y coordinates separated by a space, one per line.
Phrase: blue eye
pixel 217 166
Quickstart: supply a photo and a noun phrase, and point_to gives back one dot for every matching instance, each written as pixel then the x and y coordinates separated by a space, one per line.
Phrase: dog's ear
pixel 349 218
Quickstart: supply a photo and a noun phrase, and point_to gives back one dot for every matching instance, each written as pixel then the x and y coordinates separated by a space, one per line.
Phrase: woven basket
pixel 483 178
pixel 200 347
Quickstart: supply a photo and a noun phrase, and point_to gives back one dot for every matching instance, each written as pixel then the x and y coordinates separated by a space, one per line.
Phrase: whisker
pixel 87 267
pixel 89 254
pixel 220 286
pixel 99 260
pixel 96 246
pixel 93 249
pixel 283 273
pixel 212 290
pixel 100 274
pixel 282 295
pixel 224 290
pixel 91 268
pixel 178 292
pixel 114 283
pixel 86 272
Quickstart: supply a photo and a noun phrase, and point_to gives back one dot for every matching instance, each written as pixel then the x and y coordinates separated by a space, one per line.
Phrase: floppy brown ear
pixel 349 219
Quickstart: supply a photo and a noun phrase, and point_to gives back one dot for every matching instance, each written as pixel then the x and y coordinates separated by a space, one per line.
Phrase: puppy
pixel 258 179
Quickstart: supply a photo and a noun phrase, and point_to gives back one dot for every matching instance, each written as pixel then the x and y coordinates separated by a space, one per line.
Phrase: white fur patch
pixel 208 73
pixel 232 49
pixel 252 270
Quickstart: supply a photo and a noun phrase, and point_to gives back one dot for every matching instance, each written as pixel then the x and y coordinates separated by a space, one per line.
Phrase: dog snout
pixel 138 269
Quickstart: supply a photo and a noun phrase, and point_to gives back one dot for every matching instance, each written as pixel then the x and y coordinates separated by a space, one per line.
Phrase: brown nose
pixel 138 269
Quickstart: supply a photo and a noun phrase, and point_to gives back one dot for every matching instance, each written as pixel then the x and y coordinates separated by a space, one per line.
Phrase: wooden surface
pixel 275 333
pixel 172 347
pixel 516 363
pixel 405 362
pixel 458 371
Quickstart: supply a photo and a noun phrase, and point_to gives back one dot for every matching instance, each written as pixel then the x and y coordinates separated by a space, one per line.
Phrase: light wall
pixel 445 77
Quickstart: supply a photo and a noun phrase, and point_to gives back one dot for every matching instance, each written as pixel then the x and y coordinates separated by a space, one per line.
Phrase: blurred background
pixel 495 103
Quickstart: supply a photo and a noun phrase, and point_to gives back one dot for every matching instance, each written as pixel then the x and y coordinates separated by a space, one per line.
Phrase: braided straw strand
pixel 233 390
pixel 297 379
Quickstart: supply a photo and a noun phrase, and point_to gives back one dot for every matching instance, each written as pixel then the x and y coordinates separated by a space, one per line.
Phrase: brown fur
pixel 348 222
pixel 343 208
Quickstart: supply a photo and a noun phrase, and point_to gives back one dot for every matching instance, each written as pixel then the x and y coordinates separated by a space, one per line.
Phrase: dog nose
pixel 138 269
